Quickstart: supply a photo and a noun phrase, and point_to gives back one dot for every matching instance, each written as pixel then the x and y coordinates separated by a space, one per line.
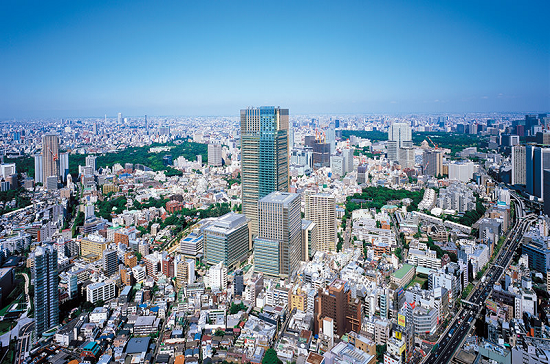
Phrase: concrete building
pixel 321 209
pixel 100 291
pixel 277 249
pixel 214 155
pixel 50 156
pixel 217 277
pixel 46 294
pixel 399 136
pixel 309 239
pixel 226 240
pixel 519 167
pixel 110 262
pixel 461 171
pixel 336 302
pixel 432 162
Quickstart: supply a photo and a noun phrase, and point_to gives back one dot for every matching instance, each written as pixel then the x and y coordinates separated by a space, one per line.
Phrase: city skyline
pixel 200 59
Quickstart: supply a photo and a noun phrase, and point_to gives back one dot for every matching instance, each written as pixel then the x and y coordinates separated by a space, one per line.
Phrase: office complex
pixel 519 172
pixel 214 155
pixel 537 160
pixel 399 136
pixel 226 240
pixel 321 209
pixel 50 156
pixel 321 153
pixel 264 156
pixel 432 163
pixel 277 248
pixel 46 296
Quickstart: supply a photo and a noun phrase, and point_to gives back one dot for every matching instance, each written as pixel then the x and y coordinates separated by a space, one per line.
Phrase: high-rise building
pixel 110 262
pixel 519 172
pixel 277 248
pixel 119 119
pixel 399 136
pixel 321 209
pixel 537 160
pixel 167 266
pixel 50 156
pixel 38 168
pixel 46 295
pixel 215 155
pixel 64 166
pixel 217 277
pixel 336 302
pixel 432 162
pixel 226 240
pixel 321 154
pixel 264 156
pixel 90 162
pixel 331 137
pixel 146 126
pixel 309 240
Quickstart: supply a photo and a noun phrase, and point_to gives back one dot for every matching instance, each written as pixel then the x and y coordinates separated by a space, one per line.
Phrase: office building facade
pixel 226 240
pixel 537 160
pixel 519 173
pixel 264 156
pixel 277 248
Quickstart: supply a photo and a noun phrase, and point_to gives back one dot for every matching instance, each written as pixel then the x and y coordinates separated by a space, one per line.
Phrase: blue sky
pixel 89 58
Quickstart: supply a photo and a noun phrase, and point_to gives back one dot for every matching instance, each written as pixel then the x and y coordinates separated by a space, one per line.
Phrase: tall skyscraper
pixel 399 136
pixel 119 119
pixel 215 155
pixel 264 156
pixel 537 160
pixel 146 126
pixel 50 156
pixel 519 172
pixel 321 209
pixel 331 136
pixel 277 248
pixel 46 295
pixel 38 168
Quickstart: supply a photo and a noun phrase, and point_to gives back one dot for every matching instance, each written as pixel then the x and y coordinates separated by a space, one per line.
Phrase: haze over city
pixel 78 59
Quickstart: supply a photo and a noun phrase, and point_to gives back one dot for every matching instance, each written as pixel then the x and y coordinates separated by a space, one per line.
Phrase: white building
pixel 217 277
pixel 100 291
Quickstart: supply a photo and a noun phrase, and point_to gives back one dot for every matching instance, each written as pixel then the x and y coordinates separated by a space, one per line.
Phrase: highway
pixel 461 325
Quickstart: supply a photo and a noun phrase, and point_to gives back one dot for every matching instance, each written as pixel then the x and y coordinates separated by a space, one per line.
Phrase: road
pixel 25 336
pixel 461 325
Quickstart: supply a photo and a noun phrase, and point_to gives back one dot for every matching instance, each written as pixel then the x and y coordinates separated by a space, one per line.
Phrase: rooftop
pixel 401 272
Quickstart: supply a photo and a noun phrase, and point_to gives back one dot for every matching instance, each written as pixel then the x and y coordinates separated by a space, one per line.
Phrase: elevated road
pixel 461 325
